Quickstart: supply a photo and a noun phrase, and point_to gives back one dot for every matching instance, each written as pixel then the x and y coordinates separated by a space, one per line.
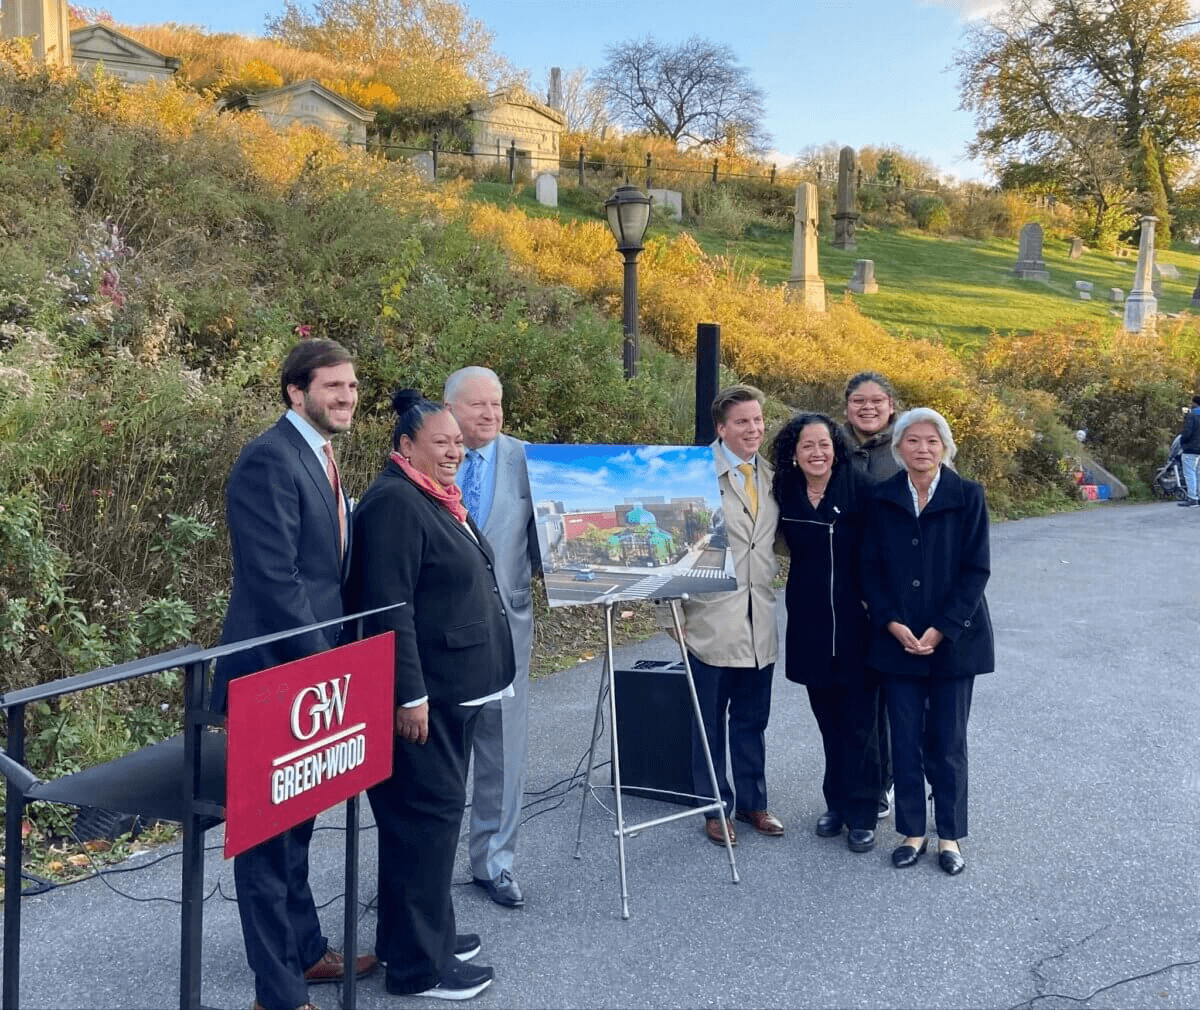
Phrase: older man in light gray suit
pixel 495 488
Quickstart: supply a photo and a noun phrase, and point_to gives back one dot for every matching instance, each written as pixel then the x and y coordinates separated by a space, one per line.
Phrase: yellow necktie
pixel 747 471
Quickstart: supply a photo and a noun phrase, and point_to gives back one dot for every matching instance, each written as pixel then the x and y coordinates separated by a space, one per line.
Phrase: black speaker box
pixel 654 731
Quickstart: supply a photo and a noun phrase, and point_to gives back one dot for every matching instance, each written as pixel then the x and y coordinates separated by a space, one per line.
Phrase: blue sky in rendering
pixel 592 477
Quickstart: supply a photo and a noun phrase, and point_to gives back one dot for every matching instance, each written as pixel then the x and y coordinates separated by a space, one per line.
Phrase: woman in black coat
pixel 821 500
pixel 925 562
pixel 414 541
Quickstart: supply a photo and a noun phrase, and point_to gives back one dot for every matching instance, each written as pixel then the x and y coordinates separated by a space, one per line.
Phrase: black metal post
pixel 350 918
pixel 772 175
pixel 716 162
pixel 630 355
pixel 191 925
pixel 708 378
pixel 14 813
pixel 434 152
pixel 512 162
pixel 581 166
pixel 649 170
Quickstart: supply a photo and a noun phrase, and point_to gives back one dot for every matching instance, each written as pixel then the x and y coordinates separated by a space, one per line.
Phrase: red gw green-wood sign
pixel 304 736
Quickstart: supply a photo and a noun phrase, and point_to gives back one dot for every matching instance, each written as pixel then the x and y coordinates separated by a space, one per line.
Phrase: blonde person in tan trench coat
pixel 731 637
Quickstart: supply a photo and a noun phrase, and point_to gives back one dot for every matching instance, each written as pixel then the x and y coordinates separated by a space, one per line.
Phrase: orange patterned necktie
pixel 332 471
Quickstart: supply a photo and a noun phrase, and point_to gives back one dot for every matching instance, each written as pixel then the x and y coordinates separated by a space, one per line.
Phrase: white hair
pixel 926 415
pixel 456 380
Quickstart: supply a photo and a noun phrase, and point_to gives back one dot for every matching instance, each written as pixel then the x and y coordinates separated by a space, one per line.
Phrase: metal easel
pixel 715 806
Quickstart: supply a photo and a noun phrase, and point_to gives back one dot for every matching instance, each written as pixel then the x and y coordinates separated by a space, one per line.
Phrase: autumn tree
pixel 694 93
pixel 428 51
pixel 1065 89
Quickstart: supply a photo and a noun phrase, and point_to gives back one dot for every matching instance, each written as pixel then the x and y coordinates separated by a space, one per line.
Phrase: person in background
pixel 925 562
pixel 291 544
pixel 731 637
pixel 822 499
pixel 1189 448
pixel 870 411
pixel 416 543
pixel 495 487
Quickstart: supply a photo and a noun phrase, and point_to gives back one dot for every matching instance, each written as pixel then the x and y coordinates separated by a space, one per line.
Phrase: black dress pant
pixel 735 703
pixel 930 743
pixel 279 918
pixel 418 813
pixel 848 718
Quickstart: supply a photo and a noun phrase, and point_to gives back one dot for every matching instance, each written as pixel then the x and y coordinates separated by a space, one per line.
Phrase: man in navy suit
pixel 290 537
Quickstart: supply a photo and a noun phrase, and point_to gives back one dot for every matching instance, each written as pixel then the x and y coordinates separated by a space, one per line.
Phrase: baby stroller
pixel 1168 482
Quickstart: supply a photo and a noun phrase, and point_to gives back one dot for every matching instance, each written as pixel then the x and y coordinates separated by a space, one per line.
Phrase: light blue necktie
pixel 472 481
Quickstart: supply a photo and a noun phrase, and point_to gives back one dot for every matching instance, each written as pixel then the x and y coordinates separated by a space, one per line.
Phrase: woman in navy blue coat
pixel 925 562
pixel 822 498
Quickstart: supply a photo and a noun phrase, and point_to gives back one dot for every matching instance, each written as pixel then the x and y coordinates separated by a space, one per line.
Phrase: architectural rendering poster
pixel 628 522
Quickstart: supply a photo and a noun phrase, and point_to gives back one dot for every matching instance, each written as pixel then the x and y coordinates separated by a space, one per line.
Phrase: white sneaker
pixel 885 803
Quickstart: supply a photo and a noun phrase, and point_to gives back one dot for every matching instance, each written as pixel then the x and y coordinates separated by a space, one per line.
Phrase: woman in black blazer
pixel 415 542
pixel 822 498
pixel 925 562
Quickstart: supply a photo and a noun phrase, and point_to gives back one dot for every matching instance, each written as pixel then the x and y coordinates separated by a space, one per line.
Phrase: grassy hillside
pixel 950 290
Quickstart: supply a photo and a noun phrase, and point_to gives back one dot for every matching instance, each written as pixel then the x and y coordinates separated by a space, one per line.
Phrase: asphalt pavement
pixel 1082 879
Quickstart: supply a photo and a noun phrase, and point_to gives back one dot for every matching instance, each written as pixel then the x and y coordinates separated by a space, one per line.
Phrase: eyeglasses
pixel 863 401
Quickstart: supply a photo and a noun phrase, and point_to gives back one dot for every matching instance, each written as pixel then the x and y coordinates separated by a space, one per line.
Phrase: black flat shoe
pixel 951 861
pixel 860 840
pixel 829 824
pixel 907 855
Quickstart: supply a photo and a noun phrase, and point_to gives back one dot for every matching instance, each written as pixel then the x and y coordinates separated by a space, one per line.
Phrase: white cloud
pixel 968 10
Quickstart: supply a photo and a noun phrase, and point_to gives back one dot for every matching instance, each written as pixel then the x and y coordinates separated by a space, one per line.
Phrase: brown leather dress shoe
pixel 712 828
pixel 765 822
pixel 332 967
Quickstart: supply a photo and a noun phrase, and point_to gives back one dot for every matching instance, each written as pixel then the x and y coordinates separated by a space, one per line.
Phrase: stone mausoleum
pixel 503 119
pixel 309 103
pixel 122 57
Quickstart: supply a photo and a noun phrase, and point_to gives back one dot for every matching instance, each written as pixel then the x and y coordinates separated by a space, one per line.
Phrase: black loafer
pixel 829 824
pixel 951 861
pixel 907 855
pixel 860 840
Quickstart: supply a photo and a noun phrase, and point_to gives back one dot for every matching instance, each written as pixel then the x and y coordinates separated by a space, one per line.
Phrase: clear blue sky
pixel 593 477
pixel 856 72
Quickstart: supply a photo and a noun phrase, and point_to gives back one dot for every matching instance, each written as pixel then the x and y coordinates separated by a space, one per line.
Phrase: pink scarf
pixel 450 498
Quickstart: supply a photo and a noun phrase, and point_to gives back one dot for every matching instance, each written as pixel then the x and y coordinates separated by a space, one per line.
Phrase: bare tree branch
pixel 694 93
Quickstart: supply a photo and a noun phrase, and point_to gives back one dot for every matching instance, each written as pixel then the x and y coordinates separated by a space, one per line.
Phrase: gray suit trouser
pixel 501 737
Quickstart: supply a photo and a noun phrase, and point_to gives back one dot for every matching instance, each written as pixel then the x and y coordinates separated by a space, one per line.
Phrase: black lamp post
pixel 628 214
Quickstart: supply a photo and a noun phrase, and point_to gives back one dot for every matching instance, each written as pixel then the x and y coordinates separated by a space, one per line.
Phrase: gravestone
pixel 422 164
pixel 44 23
pixel 671 199
pixel 805 284
pixel 846 216
pixel 1085 289
pixel 863 281
pixel 546 187
pixel 1076 249
pixel 1196 293
pixel 1116 294
pixel 1167 270
pixel 555 98
pixel 1141 306
pixel 1030 265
